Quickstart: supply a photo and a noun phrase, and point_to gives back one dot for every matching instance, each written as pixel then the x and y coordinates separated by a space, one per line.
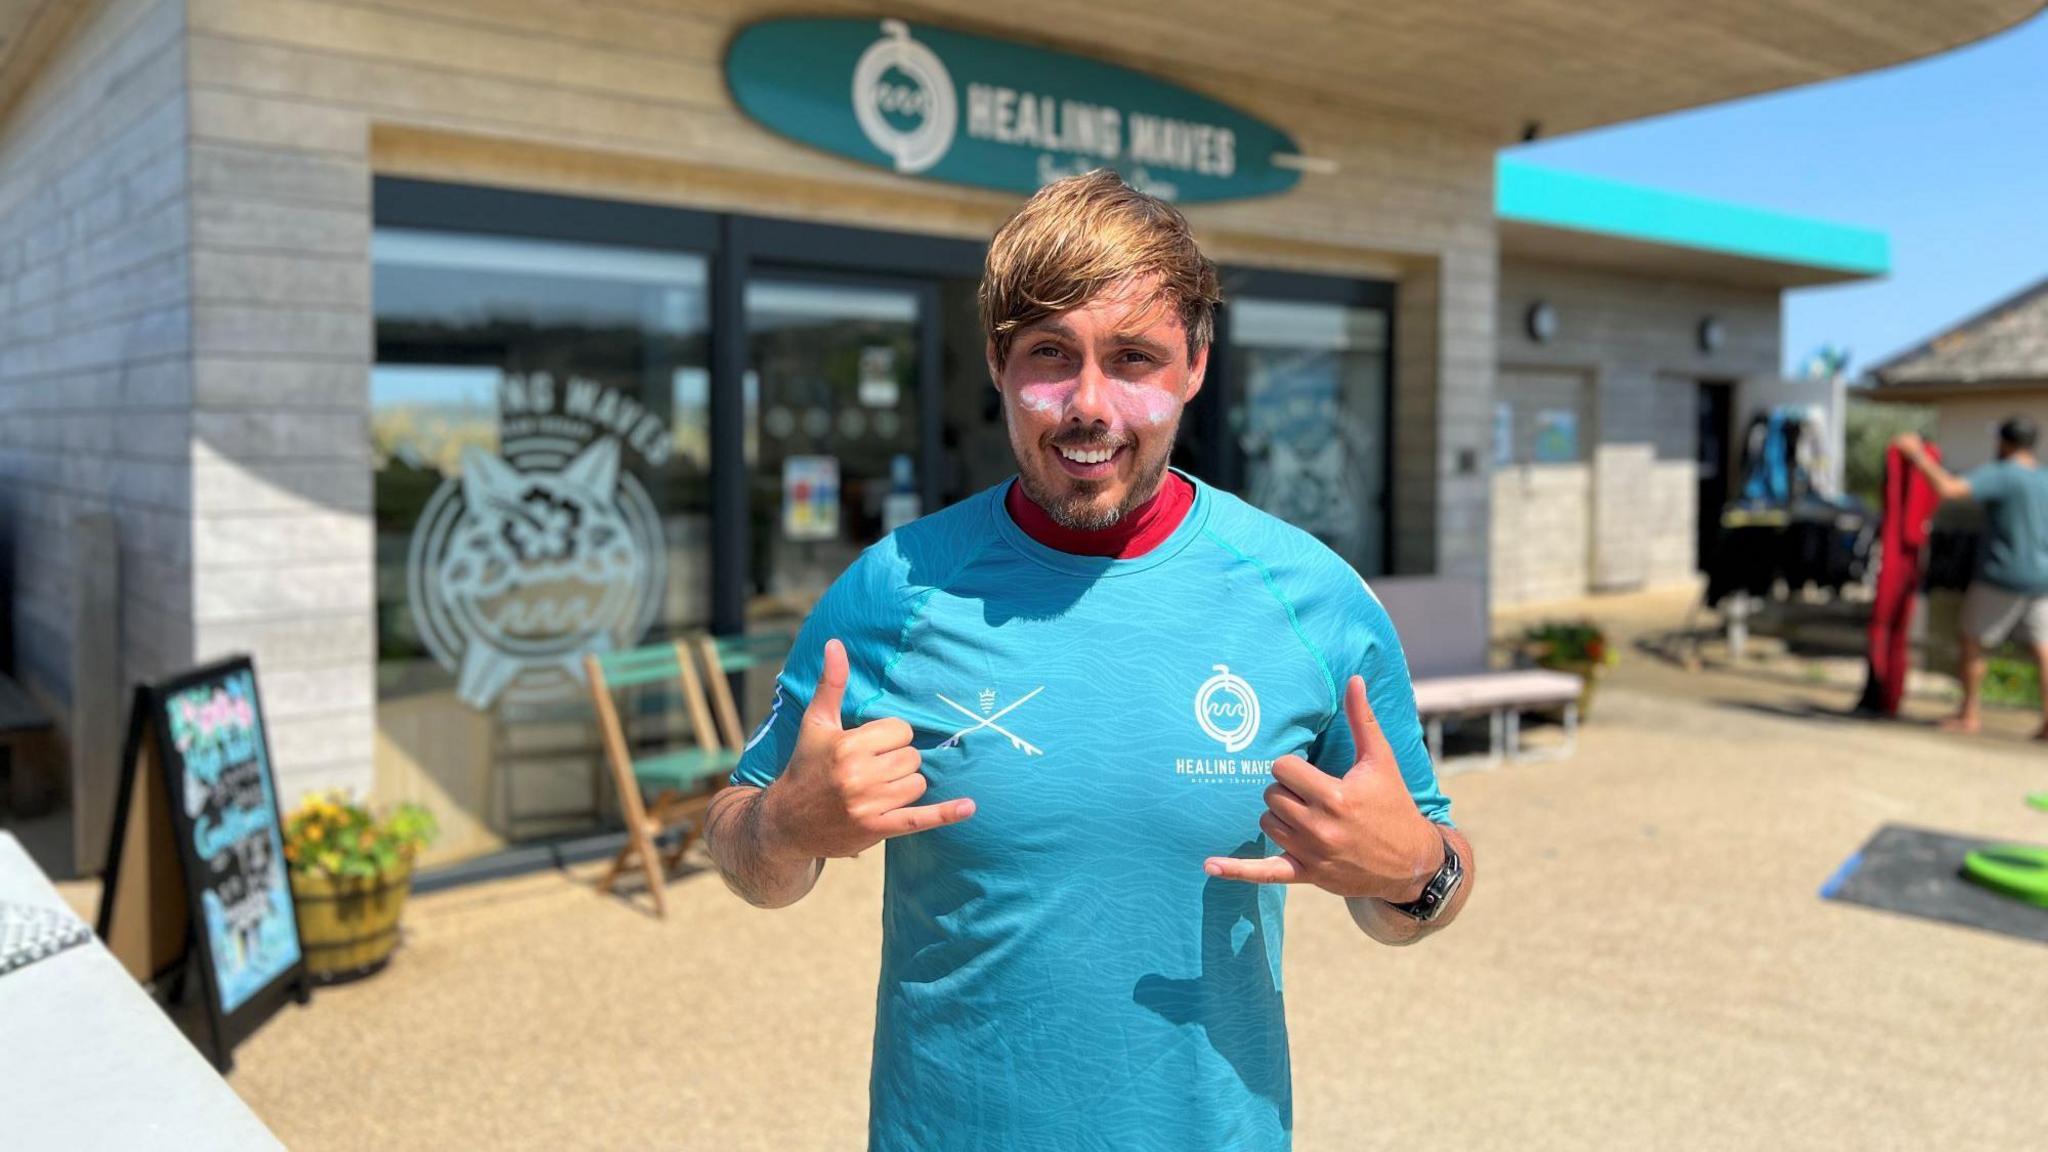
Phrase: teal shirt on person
pixel 1058 973
pixel 2014 553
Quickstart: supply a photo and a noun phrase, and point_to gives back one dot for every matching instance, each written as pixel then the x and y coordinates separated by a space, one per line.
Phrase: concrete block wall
pixel 1635 338
pixel 283 555
pixel 95 340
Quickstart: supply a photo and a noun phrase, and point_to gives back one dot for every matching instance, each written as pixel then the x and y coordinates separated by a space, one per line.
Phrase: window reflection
pixel 540 433
pixel 833 432
pixel 1308 416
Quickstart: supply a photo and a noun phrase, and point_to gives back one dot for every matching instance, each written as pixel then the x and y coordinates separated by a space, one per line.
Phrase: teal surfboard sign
pixel 942 105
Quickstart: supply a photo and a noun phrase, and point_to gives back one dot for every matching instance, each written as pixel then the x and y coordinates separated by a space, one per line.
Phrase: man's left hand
pixel 1360 836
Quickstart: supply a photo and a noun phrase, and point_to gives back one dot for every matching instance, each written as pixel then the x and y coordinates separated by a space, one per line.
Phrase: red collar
pixel 1141 530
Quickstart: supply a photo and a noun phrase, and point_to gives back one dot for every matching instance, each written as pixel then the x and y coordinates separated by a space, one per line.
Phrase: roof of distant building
pixel 2003 345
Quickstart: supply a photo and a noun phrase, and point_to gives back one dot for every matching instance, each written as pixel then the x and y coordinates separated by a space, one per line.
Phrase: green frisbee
pixel 2016 870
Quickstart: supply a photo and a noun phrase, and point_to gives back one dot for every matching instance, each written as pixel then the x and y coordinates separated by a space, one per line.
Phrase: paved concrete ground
pixel 1645 965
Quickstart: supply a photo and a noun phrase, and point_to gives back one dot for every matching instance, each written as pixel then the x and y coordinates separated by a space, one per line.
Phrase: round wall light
pixel 1712 335
pixel 1541 322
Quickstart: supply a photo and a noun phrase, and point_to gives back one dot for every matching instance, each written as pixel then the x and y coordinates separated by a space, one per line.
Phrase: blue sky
pixel 1948 156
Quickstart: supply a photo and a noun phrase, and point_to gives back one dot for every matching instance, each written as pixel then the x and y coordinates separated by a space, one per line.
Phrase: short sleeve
pixel 863 609
pixel 1989 483
pixel 1357 638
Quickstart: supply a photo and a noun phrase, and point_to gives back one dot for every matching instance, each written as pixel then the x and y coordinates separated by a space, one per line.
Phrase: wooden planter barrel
pixel 349 926
pixel 1589 674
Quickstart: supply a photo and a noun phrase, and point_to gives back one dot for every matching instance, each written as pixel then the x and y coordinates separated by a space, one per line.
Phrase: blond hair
pixel 1082 235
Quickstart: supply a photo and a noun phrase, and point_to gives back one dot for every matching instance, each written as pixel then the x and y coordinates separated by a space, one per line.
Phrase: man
pixel 2010 589
pixel 1084 708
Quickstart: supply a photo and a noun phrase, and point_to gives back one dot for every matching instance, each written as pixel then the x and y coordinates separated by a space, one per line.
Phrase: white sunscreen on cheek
pixel 1049 398
pixel 1141 404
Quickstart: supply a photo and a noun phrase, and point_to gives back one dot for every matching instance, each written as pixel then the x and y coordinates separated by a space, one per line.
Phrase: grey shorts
pixel 1990 614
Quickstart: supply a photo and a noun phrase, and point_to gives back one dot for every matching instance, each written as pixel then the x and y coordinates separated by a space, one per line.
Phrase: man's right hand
pixel 846 791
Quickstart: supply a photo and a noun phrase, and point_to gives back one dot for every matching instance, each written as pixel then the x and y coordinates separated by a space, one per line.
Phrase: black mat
pixel 1919 872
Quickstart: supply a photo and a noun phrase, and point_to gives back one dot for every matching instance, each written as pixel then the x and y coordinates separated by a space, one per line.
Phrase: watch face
pixel 1442 886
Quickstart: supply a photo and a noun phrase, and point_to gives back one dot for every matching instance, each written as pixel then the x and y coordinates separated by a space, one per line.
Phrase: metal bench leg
pixel 1571 727
pixel 1434 729
pixel 1496 735
pixel 1514 725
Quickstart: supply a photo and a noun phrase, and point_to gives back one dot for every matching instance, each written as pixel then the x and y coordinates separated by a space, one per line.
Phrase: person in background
pixel 2010 589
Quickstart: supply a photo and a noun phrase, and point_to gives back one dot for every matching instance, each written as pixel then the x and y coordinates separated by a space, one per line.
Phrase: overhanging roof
pixel 1546 214
pixel 1478 66
pixel 1493 66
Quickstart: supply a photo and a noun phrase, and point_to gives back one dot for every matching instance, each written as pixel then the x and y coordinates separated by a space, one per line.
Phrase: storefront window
pixel 1309 413
pixel 834 416
pixel 540 427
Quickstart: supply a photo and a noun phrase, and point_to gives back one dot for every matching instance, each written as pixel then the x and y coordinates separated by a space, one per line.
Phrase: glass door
pixel 836 431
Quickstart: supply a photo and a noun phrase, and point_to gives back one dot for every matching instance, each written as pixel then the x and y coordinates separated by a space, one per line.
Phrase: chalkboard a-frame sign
pixel 195 871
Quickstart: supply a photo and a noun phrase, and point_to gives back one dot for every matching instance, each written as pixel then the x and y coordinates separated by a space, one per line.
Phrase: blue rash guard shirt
pixel 1058 973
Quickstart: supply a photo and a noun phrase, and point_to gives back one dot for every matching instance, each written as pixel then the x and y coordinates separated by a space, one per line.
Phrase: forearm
pixel 1947 484
pixel 736 836
pixel 1379 920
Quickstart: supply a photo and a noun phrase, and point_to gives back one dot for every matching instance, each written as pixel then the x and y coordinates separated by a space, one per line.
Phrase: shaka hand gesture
pixel 846 791
pixel 1359 836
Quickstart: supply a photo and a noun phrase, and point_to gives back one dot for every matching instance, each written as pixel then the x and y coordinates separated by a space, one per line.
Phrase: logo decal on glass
pixel 528 559
pixel 1228 710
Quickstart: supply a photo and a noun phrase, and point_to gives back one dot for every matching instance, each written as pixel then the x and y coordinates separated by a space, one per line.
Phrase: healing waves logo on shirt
pixel 1227 709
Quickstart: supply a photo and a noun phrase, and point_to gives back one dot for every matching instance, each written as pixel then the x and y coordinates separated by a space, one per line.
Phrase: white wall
pixel 1966 427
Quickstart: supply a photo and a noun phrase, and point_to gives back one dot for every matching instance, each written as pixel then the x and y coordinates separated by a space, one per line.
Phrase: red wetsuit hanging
pixel 1909 503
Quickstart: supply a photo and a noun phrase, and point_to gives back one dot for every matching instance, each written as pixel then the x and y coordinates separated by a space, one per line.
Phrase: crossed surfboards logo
pixel 987 718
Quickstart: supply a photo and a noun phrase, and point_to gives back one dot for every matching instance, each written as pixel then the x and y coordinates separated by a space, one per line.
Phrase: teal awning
pixel 1549 198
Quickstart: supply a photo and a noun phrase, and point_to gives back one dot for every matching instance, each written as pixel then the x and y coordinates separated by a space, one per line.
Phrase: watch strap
pixel 1441 887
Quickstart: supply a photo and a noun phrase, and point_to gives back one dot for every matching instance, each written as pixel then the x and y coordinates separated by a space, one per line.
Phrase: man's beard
pixel 1073 506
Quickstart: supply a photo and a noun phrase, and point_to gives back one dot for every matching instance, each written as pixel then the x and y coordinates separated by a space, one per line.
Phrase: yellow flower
pixel 314 832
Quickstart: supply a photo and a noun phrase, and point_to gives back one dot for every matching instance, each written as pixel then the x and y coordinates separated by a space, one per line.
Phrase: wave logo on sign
pixel 527 560
pixel 903 99
pixel 1228 710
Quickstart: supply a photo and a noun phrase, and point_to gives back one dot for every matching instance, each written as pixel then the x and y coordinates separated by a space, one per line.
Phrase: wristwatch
pixel 1436 895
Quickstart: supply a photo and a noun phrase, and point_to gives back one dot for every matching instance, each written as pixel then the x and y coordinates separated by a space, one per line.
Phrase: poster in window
pixel 810 498
pixel 878 387
pixel 1557 436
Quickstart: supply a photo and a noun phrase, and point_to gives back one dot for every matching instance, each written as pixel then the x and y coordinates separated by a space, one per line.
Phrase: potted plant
pixel 350 873
pixel 1575 646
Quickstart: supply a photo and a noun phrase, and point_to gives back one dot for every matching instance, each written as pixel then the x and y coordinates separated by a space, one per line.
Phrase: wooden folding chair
pixel 724 655
pixel 666 790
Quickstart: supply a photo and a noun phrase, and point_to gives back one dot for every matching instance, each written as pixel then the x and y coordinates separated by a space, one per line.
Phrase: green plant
pixel 1867 430
pixel 1568 642
pixel 330 834
pixel 2012 681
